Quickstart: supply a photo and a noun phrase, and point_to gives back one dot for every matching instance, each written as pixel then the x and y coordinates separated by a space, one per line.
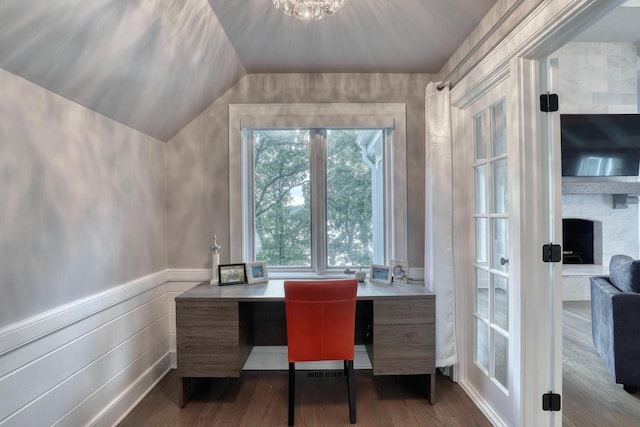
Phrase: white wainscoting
pixel 90 361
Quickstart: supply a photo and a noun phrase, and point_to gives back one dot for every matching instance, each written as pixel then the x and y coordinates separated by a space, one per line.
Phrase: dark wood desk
pixel 215 329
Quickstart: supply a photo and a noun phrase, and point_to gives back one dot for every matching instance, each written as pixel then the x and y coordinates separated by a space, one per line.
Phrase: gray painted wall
pixel 197 157
pixel 83 201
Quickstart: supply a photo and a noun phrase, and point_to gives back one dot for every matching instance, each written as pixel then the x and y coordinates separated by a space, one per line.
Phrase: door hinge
pixel 548 102
pixel 551 402
pixel 551 253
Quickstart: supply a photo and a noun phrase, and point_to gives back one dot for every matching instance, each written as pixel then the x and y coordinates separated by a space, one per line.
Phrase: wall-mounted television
pixel 600 144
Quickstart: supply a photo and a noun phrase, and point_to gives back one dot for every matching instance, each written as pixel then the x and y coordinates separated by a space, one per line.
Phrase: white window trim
pixel 375 115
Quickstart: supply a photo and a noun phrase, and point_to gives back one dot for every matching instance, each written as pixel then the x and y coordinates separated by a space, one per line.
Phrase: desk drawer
pixel 404 311
pixel 207 314
pixel 207 339
pixel 208 360
pixel 403 349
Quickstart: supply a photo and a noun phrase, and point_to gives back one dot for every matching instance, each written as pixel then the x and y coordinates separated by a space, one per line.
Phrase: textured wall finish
pixel 197 157
pixel 83 201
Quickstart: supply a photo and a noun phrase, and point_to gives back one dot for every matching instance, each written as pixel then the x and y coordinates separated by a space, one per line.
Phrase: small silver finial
pixel 216 247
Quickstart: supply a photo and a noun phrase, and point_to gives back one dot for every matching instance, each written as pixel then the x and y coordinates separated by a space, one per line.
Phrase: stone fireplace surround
pixel 616 230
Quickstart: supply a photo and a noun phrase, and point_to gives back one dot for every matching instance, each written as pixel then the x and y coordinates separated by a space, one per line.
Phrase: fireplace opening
pixel 577 241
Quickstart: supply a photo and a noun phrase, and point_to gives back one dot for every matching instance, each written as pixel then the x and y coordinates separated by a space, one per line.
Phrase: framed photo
pixel 231 274
pixel 380 274
pixel 400 270
pixel 257 272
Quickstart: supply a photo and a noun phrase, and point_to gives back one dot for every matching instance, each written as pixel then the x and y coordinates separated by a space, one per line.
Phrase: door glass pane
pixel 482 293
pixel 479 137
pixel 354 161
pixel 481 189
pixel 482 344
pixel 482 241
pixel 499 172
pixel 491 209
pixel 500 244
pixel 282 197
pixel 501 357
pixel 498 129
pixel 500 302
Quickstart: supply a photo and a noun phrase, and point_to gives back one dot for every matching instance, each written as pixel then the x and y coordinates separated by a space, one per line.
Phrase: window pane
pixel 482 343
pixel 500 302
pixel 481 189
pixel 500 195
pixel 354 196
pixel 499 129
pixel 482 241
pixel 501 352
pixel 282 197
pixel 479 137
pixel 500 247
pixel 482 293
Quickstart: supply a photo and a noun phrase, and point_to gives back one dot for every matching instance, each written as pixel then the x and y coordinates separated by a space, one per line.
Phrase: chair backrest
pixel 320 319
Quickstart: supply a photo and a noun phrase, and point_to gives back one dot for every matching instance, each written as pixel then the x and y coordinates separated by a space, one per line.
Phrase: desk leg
pixel 432 388
pixel 185 387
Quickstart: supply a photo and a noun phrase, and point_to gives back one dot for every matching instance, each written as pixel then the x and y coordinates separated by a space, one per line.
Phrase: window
pixel 316 193
pixel 343 192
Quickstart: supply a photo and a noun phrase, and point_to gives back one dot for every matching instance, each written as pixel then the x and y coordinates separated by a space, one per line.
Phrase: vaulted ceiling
pixel 154 65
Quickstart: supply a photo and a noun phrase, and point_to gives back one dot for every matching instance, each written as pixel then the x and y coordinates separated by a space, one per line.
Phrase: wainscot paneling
pixel 88 362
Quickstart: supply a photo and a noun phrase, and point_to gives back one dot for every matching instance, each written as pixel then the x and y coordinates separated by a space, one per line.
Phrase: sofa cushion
pixel 624 273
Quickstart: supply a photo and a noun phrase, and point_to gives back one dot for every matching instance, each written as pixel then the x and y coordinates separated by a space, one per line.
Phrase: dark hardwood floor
pixel 590 397
pixel 260 399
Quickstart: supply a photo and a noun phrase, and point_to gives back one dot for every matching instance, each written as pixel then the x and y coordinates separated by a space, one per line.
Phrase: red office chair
pixel 321 319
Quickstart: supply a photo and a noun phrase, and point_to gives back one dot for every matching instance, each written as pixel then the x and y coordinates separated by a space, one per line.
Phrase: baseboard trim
pixel 484 407
pixel 113 415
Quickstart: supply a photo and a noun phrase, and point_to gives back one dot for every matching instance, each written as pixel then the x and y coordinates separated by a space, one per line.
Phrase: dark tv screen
pixel 600 144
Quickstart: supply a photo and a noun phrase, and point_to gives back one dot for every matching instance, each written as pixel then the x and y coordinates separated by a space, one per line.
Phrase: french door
pixel 489 323
pixel 509 304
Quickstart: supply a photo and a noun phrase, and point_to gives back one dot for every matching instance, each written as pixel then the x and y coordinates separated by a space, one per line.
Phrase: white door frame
pixel 546 29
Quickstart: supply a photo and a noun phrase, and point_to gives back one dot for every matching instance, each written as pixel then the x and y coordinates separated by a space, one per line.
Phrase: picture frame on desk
pixel 380 274
pixel 257 272
pixel 400 270
pixel 232 274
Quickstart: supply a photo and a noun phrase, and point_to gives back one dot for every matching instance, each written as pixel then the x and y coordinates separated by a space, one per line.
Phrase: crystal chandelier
pixel 309 9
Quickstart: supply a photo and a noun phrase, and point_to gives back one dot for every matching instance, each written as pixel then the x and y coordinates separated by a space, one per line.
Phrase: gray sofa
pixel 615 316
